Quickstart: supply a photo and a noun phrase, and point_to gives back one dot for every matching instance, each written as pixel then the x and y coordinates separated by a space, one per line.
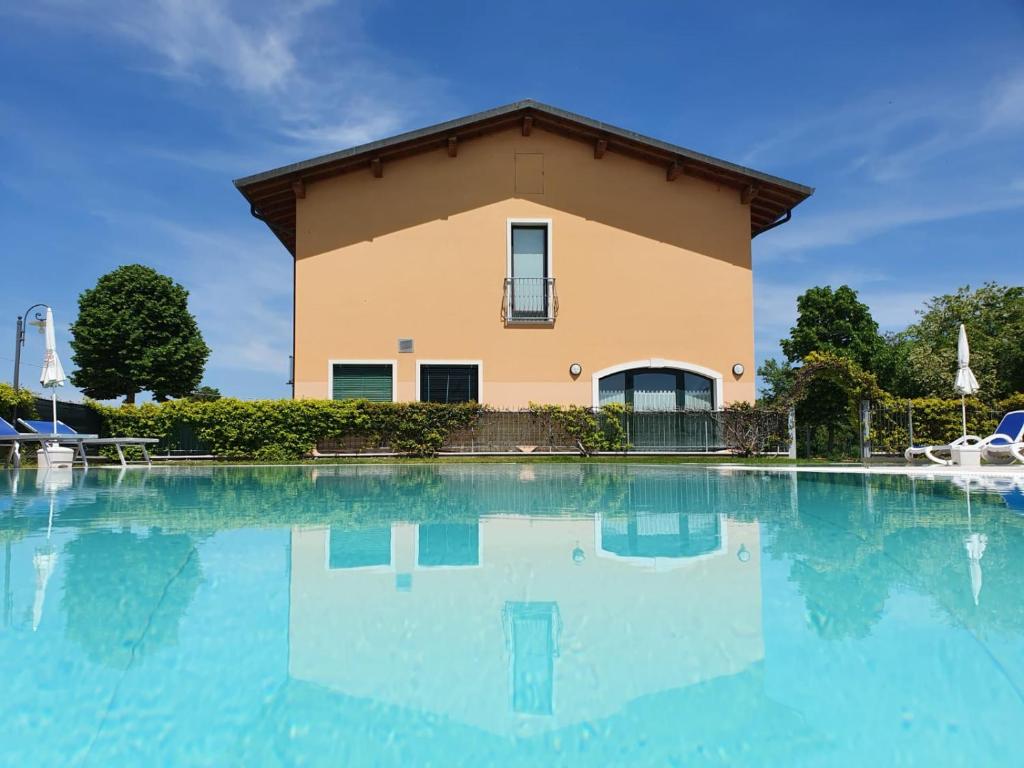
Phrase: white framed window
pixel 448 545
pixel 375 380
pixel 529 281
pixel 658 384
pixel 449 381
pixel 360 549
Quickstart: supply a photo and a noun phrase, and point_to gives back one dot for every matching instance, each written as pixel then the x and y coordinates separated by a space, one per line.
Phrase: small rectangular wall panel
pixel 529 174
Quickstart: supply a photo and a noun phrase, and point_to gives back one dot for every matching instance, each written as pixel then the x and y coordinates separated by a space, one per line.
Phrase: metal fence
pixel 743 431
pixel 738 430
pixel 888 429
pixel 78 416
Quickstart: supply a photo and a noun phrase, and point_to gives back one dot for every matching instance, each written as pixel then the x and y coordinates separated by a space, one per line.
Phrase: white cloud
pixel 1004 107
pixel 893 306
pixel 316 93
pixel 247 321
pixel 893 133
pixel 239 283
pixel 853 225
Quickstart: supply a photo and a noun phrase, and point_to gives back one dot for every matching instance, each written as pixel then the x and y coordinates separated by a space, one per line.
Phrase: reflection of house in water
pixel 518 624
pixel 668 536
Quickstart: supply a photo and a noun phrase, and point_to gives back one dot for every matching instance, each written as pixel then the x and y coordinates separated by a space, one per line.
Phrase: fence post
pixel 910 421
pixel 791 426
pixel 865 429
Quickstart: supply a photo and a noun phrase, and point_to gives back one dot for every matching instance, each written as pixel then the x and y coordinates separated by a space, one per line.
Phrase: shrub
pixel 275 430
pixel 751 431
pixel 936 420
pixel 23 399
pixel 593 431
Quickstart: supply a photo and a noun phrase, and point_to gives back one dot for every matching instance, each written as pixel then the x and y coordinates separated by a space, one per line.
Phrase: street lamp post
pixel 19 342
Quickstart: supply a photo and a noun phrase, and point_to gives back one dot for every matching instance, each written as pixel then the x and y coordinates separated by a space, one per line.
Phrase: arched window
pixel 658 389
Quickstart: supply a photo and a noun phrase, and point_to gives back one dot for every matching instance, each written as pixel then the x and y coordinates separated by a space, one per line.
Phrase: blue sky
pixel 122 123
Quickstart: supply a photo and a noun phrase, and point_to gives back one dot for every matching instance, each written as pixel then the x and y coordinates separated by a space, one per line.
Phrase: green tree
pixel 125 593
pixel 994 317
pixel 205 394
pixel 833 321
pixel 893 367
pixel 777 381
pixel 134 333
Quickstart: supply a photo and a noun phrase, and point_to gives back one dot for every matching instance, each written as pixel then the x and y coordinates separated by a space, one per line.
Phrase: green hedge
pixel 24 399
pixel 936 420
pixel 273 430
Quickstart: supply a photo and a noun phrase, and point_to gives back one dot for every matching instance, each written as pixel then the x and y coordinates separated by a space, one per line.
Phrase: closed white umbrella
pixel 53 372
pixel 965 384
pixel 975 544
pixel 45 563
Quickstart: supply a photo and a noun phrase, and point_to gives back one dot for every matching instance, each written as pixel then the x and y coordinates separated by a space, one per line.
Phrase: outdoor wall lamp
pixel 575 369
pixel 578 555
pixel 738 369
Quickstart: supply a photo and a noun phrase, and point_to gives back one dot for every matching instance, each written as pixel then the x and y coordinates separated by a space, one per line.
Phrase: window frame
pixel 418 566
pixel 479 375
pixel 333 362
pixel 381 568
pixel 529 223
pixel 684 367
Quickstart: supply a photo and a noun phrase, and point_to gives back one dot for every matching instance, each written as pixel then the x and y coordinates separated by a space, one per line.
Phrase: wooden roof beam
pixel 377 167
pixel 453 146
pixel 748 193
pixel 527 124
pixel 675 170
pixel 600 147
pixel 299 189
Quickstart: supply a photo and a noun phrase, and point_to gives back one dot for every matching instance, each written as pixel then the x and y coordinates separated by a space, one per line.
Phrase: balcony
pixel 529 300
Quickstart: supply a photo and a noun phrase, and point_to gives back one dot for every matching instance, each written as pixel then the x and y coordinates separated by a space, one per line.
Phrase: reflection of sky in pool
pixel 509 615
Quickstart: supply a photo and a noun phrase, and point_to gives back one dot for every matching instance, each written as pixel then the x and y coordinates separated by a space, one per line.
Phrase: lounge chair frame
pixel 117 442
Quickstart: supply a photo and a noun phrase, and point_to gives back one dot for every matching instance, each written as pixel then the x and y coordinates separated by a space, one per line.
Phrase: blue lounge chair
pixel 67 434
pixel 1014 500
pixel 1007 442
pixel 11 437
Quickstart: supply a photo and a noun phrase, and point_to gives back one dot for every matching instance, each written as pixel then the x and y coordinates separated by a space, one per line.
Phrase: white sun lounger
pixel 1007 442
pixel 11 437
pixel 67 434
pixel 930 451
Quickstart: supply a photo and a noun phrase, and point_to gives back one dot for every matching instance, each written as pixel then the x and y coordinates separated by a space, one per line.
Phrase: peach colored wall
pixel 644 268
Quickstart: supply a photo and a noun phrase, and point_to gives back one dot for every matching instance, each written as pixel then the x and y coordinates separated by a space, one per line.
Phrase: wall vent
pixel 405 345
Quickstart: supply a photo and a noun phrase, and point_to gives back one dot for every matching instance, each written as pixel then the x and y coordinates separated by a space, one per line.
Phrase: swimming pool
pixel 509 615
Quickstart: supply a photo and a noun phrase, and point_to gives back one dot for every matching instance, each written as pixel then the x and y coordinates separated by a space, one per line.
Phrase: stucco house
pixel 523 254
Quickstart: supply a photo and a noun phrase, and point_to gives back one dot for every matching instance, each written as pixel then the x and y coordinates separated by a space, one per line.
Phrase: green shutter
pixel 370 382
pixel 449 383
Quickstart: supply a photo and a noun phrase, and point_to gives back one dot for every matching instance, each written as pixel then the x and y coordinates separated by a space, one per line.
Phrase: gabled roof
pixel 272 194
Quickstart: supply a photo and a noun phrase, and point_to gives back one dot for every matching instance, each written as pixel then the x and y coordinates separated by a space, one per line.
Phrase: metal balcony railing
pixel 530 300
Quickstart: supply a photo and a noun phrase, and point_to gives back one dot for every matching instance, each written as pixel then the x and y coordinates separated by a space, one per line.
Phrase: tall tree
pixel 134 333
pixel 994 317
pixel 833 321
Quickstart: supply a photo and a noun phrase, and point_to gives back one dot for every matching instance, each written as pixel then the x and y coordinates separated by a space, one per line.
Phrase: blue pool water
pixel 499 615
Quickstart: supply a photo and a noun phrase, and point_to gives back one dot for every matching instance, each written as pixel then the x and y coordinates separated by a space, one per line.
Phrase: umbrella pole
pixel 963 413
pixel 53 400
